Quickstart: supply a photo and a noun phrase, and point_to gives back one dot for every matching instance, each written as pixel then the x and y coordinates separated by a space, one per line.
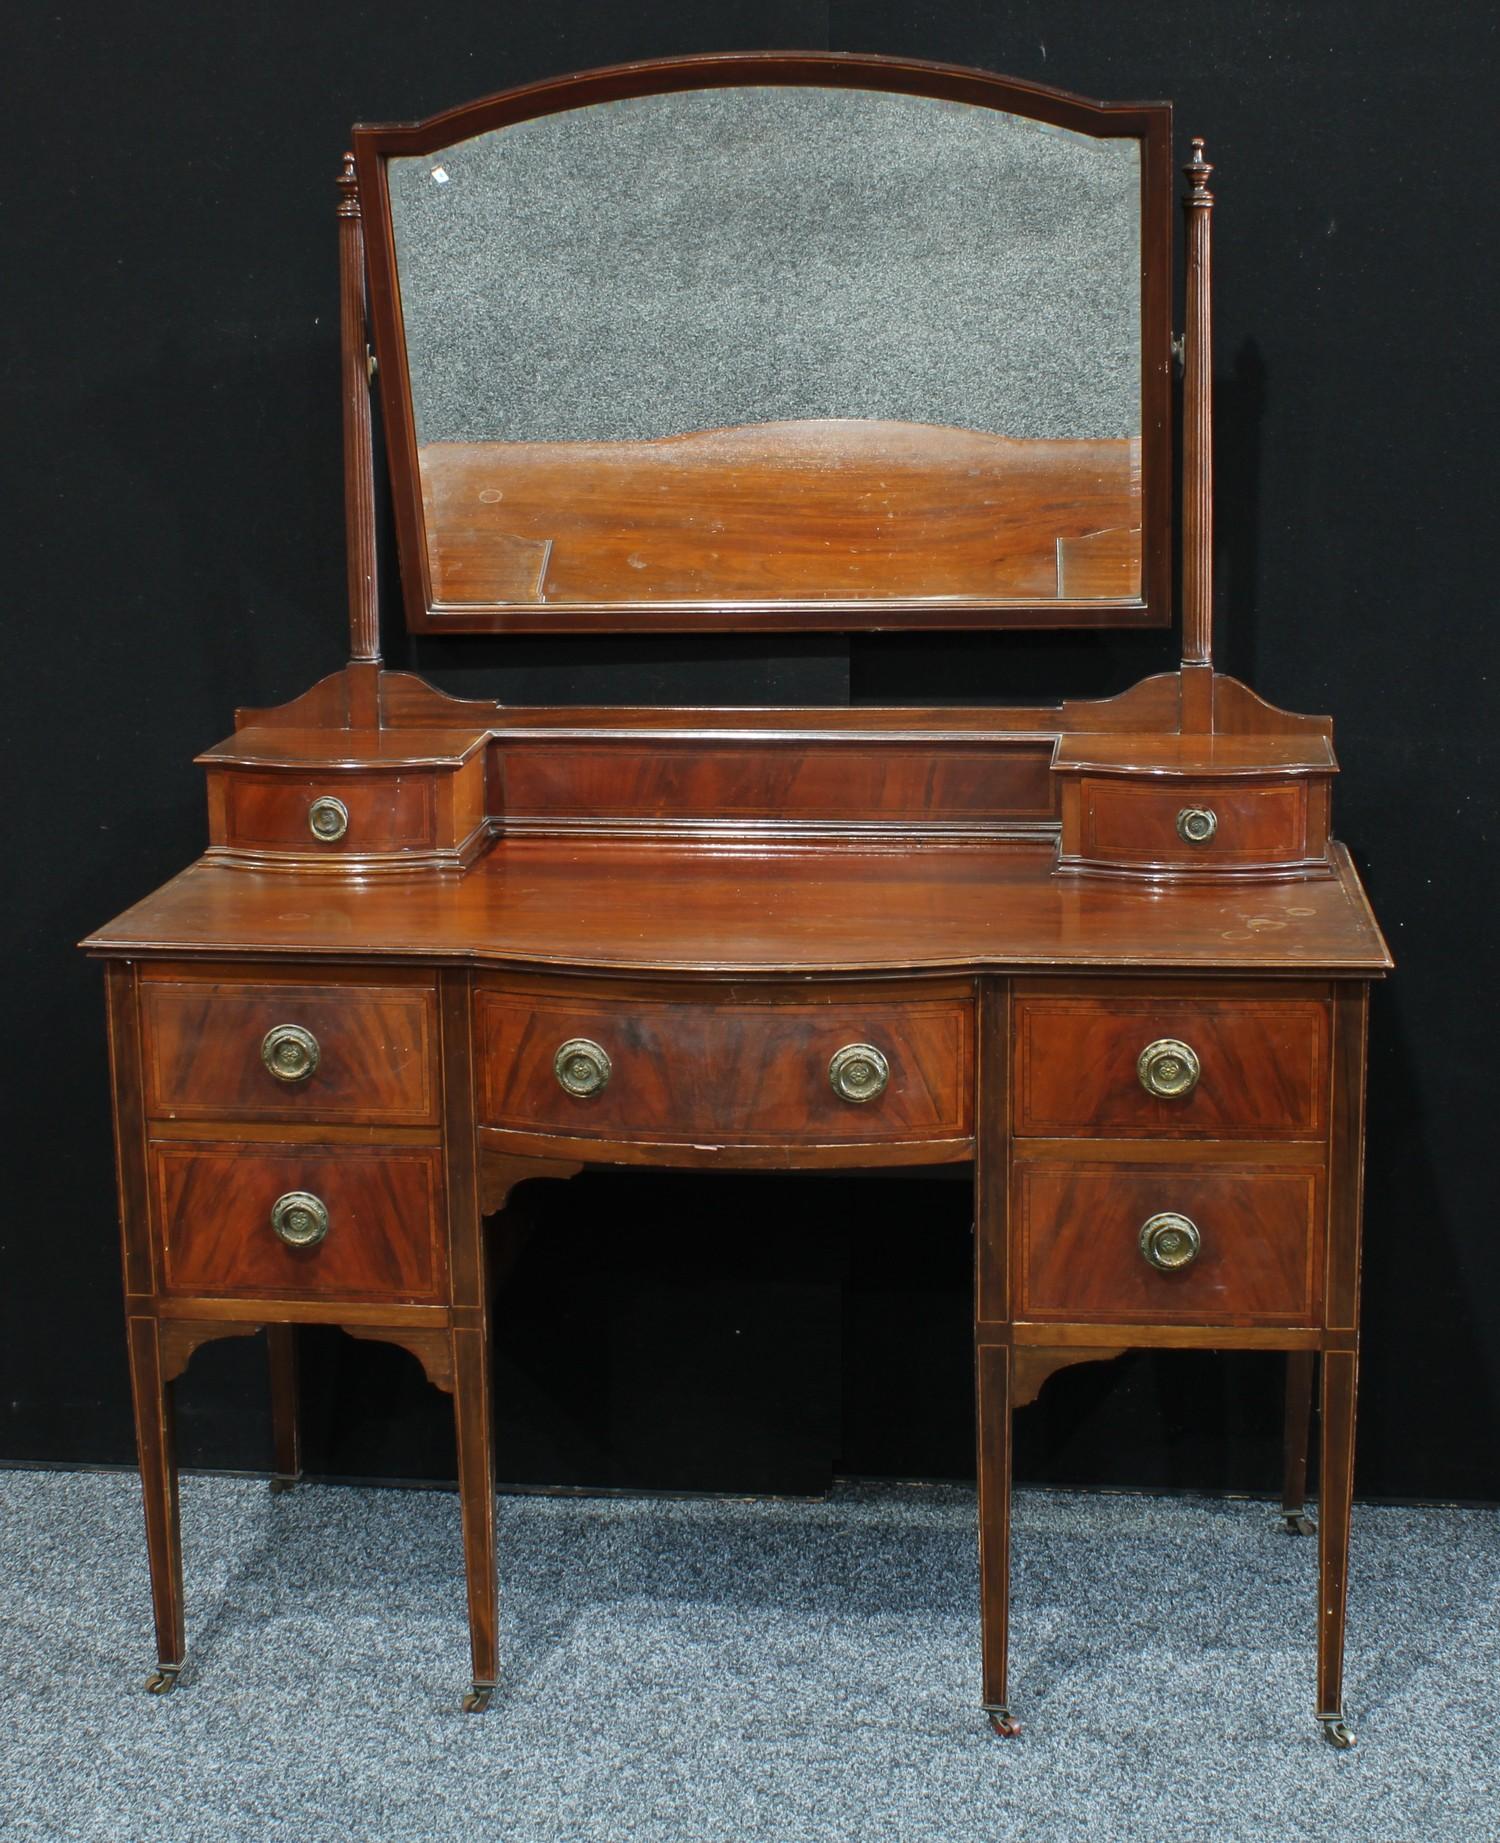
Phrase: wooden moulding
pixel 931 782
pixel 411 800
pixel 865 776
pixel 442 777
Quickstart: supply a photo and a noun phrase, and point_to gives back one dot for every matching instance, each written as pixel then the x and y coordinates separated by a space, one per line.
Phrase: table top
pixel 715 909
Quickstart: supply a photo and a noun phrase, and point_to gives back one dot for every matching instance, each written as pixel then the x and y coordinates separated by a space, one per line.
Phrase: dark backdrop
pixel 174 548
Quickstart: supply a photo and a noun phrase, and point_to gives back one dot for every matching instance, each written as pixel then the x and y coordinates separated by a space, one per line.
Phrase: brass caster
pixel 1298 1523
pixel 478 1698
pixel 1004 1723
pixel 162 1682
pixel 1337 1732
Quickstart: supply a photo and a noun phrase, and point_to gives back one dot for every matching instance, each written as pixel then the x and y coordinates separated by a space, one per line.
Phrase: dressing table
pixel 762 344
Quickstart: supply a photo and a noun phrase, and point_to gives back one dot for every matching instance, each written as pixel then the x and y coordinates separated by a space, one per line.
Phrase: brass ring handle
pixel 289 1052
pixel 1168 1069
pixel 1196 825
pixel 300 1219
pixel 582 1067
pixel 858 1072
pixel 327 819
pixel 1170 1242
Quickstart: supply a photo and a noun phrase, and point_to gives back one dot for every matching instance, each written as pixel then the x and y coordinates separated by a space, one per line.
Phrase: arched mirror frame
pixel 1149 123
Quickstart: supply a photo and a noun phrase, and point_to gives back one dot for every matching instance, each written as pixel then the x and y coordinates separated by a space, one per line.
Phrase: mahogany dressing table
pixel 734 344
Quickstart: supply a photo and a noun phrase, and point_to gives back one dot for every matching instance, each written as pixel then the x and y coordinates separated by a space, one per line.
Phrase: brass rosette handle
pixel 327 819
pixel 1168 1069
pixel 300 1219
pixel 582 1067
pixel 859 1073
pixel 1196 825
pixel 1170 1242
pixel 289 1052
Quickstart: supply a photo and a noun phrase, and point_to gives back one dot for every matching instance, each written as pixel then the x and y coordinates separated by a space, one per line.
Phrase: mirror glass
pixel 753 345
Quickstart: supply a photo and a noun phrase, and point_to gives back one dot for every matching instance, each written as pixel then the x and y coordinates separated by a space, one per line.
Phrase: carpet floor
pixel 718 1671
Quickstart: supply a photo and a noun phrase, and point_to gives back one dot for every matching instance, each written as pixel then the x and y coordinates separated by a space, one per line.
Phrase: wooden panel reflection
pixel 841 509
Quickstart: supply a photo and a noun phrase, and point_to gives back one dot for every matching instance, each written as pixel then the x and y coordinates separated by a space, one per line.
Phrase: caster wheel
pixel 1337 1732
pixel 478 1698
pixel 281 1482
pixel 1004 1724
pixel 1298 1523
pixel 162 1682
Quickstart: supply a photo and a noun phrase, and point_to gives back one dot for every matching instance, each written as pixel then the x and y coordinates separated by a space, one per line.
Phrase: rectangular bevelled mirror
pixel 777 343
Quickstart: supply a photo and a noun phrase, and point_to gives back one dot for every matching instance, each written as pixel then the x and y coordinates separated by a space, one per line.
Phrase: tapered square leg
pixel 994 1365
pixel 1295 1434
pixel 286 1431
pixel 1335 1502
pixel 476 1490
pixel 158 1461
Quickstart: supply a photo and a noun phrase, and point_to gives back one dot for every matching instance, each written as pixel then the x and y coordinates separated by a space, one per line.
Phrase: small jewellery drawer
pixel 1227 1243
pixel 1189 825
pixel 334 814
pixel 340 1222
pixel 253 1049
pixel 330 813
pixel 846 1071
pixel 347 802
pixel 1168 1066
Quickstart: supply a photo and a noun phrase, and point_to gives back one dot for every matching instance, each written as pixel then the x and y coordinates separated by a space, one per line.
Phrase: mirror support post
pixel 363 677
pixel 1197 457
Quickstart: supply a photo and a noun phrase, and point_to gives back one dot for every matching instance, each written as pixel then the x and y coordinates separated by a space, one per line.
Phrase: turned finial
pixel 1197 171
pixel 348 185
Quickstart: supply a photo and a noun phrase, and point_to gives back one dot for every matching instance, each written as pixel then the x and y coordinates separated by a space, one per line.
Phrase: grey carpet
pixel 764 254
pixel 723 1672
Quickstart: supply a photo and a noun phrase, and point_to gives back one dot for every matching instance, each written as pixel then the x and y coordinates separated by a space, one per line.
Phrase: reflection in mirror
pixel 763 344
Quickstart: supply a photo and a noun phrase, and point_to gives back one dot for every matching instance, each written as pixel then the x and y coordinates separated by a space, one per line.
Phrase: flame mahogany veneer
pixel 213 1201
pixel 202 1034
pixel 1021 912
pixel 1264 1053
pixel 1076 1217
pixel 723 1071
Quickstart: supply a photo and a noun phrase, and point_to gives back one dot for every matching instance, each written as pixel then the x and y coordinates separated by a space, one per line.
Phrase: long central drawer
pixel 841 1068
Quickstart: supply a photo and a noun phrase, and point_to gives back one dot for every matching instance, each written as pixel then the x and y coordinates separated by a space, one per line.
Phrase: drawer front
pixel 216 1202
pixel 741 1074
pixel 336 815
pixel 256 1050
pixel 1078 1225
pixel 1133 822
pixel 1110 1065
